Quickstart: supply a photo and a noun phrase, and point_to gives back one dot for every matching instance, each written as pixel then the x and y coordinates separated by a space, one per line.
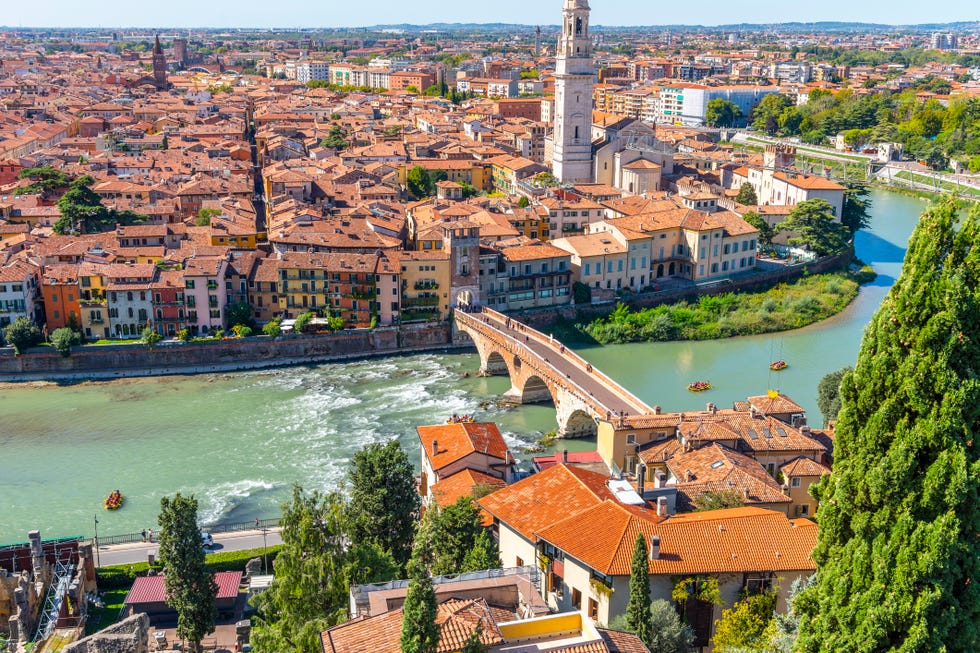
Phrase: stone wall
pixel 121 361
pixel 584 313
pixel 130 635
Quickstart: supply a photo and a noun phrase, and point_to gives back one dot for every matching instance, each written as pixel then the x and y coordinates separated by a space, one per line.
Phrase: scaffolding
pixel 63 571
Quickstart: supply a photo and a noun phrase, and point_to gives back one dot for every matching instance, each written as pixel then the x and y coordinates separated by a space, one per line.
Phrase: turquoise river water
pixel 239 441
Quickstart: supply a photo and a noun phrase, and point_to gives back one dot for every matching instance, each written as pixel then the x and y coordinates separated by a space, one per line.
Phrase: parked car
pixel 206 540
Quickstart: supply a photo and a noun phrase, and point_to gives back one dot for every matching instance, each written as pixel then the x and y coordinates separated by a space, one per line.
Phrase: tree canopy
pixel 722 113
pixel 828 394
pixel 383 502
pixel 813 223
pixel 82 211
pixel 420 633
pixel 746 195
pixel 22 334
pixel 897 564
pixel 766 231
pixel 191 589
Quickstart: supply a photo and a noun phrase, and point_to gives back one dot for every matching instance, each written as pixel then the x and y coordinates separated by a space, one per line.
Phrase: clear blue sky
pixel 341 13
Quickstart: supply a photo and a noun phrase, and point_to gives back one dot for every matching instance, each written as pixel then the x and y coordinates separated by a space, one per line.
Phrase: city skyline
pixel 611 13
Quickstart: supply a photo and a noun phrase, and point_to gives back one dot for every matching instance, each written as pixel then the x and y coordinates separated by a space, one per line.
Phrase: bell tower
pixel 159 66
pixel 574 78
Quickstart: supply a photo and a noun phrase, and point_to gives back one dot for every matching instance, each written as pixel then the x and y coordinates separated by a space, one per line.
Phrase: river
pixel 239 441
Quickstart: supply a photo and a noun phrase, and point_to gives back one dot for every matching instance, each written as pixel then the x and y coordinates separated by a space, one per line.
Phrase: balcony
pixel 426 285
pixel 420 301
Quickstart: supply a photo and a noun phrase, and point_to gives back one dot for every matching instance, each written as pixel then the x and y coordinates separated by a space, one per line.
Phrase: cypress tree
pixel 420 633
pixel 638 607
pixel 897 563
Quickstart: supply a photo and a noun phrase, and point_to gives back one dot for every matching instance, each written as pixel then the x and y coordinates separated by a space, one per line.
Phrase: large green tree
pixel 383 502
pixel 22 334
pixel 638 606
pixel 766 231
pixel 828 394
pixel 896 554
pixel 312 575
pixel 813 223
pixel 765 115
pixel 420 633
pixel 857 204
pixel 456 540
pixel 721 113
pixel 191 589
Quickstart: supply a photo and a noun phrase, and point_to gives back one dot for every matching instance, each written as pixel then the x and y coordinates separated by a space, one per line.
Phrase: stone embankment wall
pixel 122 361
pixel 543 318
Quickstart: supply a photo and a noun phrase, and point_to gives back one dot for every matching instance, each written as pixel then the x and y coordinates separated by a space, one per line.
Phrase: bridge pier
pixel 574 417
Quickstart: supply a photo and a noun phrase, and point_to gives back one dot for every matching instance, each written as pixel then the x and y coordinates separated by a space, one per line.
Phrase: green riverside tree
pixel 828 394
pixel 456 539
pixel 420 633
pixel 896 554
pixel 150 337
pixel 383 502
pixel 813 223
pixel 856 206
pixel 22 334
pixel 638 607
pixel 64 339
pixel 191 589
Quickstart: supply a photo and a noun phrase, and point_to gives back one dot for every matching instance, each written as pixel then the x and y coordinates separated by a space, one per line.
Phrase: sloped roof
pixel 535 503
pixel 456 441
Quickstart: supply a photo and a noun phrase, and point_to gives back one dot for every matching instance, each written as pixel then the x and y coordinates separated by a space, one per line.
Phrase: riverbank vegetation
pixel 782 308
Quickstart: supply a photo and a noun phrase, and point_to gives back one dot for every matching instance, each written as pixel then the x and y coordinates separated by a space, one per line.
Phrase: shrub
pixel 302 322
pixel 64 339
pixel 273 328
pixel 184 335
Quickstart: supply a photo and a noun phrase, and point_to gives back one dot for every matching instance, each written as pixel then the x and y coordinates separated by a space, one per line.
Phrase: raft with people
pixel 114 501
pixel 778 366
pixel 699 386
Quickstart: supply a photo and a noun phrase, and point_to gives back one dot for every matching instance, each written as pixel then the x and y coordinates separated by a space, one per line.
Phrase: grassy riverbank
pixel 782 308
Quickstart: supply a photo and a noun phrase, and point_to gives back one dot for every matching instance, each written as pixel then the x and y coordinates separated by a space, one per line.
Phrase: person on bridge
pixel 588 367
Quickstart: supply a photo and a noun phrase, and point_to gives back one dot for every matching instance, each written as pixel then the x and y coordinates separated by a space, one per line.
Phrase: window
pixel 593 609
pixel 631 438
pixel 576 598
pixel 804 510
pixel 189 284
pixel 518 561
pixel 795 482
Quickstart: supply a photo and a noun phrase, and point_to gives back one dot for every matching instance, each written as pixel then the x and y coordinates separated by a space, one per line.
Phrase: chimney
pixel 712 408
pixel 564 456
pixel 641 477
pixel 688 475
pixel 659 479
pixel 657 410
pixel 654 547
pixel 746 493
pixel 661 506
pixel 435 447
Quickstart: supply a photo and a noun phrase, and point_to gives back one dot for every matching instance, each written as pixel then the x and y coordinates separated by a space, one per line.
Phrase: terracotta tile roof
pixel 457 619
pixel 804 466
pixel 618 642
pixel 456 441
pixel 716 468
pixel 737 540
pixel 535 503
pixel 775 405
pixel 450 490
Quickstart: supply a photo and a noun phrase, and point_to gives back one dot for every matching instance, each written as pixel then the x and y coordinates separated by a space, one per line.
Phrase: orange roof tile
pixel 456 441
pixel 535 503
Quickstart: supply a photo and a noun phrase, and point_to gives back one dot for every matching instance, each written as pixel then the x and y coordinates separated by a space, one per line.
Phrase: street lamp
pixel 98 563
pixel 265 557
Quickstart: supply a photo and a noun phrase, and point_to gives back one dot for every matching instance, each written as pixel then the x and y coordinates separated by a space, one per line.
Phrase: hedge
pixel 123 576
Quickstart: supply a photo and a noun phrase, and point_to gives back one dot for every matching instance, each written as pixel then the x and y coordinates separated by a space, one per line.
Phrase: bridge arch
pixel 495 365
pixel 579 424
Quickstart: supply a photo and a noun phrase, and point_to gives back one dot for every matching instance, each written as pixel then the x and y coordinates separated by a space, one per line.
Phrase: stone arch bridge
pixel 542 370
